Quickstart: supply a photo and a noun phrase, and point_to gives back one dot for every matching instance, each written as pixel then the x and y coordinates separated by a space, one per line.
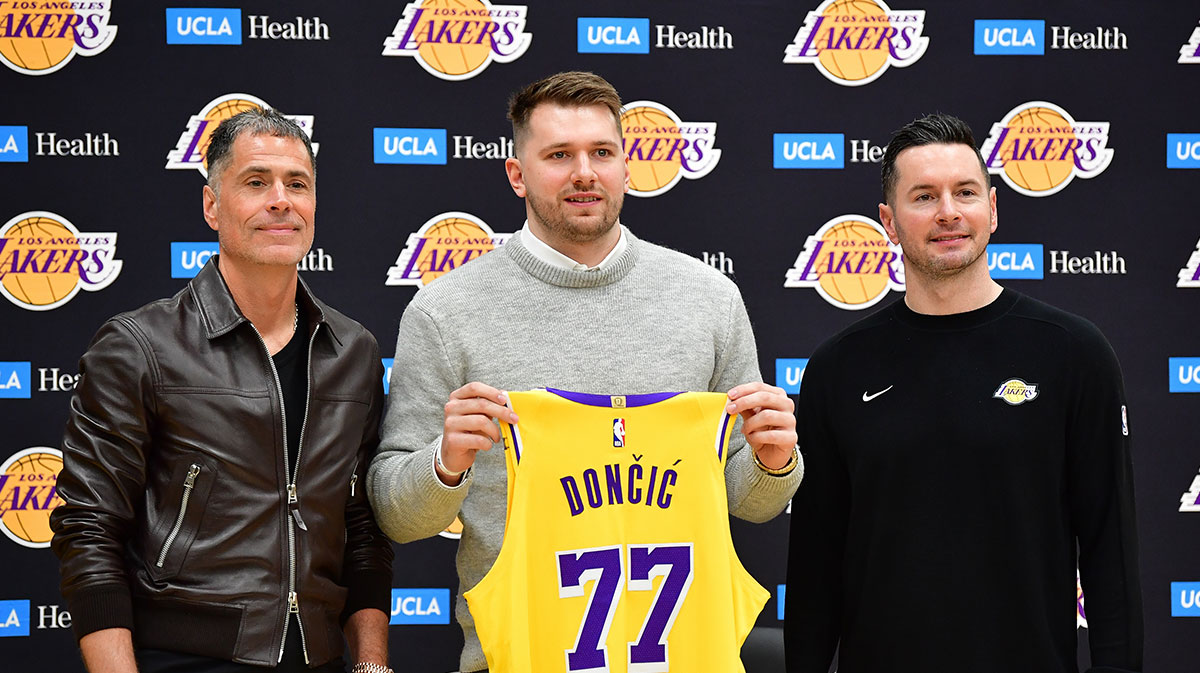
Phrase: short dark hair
pixel 568 89
pixel 255 121
pixel 931 129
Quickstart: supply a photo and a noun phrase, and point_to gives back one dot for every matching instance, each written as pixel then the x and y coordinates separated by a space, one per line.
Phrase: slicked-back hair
pixel 567 89
pixel 256 122
pixel 934 129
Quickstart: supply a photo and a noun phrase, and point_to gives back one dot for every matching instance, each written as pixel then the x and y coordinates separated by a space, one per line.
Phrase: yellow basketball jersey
pixel 617 554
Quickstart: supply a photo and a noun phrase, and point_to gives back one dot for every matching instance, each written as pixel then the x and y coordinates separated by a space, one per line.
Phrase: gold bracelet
pixel 786 469
pixel 368 667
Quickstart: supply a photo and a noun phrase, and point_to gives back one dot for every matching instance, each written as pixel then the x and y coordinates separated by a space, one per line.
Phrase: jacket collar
pixel 220 313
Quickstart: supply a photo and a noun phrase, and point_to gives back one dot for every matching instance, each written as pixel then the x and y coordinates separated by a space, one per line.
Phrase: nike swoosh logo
pixel 868 398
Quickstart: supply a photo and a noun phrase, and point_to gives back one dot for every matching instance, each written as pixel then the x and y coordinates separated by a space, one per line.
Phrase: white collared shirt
pixel 541 250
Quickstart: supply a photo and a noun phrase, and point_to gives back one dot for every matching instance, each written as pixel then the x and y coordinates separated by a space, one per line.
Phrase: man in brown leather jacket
pixel 214 515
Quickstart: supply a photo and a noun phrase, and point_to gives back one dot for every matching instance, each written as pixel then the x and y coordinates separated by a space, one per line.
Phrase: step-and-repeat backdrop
pixel 754 128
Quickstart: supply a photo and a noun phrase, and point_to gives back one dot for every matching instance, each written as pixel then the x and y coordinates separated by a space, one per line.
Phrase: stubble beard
pixel 555 220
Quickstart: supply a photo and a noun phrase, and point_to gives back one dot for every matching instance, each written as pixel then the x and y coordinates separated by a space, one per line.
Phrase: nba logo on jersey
pixel 618 432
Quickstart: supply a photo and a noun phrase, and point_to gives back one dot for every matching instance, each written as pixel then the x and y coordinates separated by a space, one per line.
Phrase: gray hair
pixel 255 121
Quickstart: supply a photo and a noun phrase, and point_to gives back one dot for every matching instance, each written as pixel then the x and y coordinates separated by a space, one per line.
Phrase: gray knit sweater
pixel 652 320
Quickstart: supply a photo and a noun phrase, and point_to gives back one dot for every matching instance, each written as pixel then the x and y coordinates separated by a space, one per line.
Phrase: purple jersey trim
pixel 516 440
pixel 606 400
pixel 721 437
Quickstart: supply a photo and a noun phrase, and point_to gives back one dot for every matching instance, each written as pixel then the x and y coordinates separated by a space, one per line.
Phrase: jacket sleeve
pixel 104 447
pixel 753 494
pixel 410 501
pixel 1100 492
pixel 367 565
pixel 820 513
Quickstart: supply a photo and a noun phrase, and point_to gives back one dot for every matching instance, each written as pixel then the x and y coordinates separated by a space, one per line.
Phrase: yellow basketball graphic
pixel 452 59
pixel 450 243
pixel 862 61
pixel 220 112
pixel 1041 126
pixel 28 283
pixel 28 493
pixel 649 135
pixel 857 288
pixel 39 54
pixel 454 530
pixel 850 262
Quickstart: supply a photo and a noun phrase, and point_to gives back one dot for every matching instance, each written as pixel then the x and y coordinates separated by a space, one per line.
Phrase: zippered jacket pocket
pixel 180 512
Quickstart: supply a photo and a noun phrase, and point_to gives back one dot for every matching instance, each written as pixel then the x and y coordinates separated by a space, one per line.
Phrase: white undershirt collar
pixel 541 250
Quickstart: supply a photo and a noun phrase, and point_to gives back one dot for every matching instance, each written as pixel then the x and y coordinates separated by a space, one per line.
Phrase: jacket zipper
pixel 293 500
pixel 188 484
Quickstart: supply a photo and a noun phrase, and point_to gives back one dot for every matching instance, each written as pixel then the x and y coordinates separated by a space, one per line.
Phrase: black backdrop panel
pixel 766 153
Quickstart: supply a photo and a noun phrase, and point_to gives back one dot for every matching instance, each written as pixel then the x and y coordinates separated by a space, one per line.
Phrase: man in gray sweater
pixel 572 301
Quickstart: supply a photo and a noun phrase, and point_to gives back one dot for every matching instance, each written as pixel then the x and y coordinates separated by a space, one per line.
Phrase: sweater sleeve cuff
pixel 105 606
pixel 368 589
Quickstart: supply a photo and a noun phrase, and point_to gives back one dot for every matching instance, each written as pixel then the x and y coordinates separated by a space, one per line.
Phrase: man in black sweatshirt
pixel 968 448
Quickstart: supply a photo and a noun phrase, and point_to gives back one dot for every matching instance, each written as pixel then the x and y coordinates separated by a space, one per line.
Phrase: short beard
pixel 556 222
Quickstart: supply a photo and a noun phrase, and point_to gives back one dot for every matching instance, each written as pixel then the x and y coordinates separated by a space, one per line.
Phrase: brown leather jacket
pixel 177 522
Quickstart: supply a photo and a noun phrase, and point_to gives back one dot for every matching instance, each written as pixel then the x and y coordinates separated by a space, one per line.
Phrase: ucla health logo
pixel 14 618
pixel 662 149
pixel 410 146
pixel 458 42
pixel 39 38
pixel 1190 500
pixel 1189 275
pixel 28 493
pixel 187 257
pixel 1038 148
pixel 1190 51
pixel 15 380
pixel 810 150
pixel 789 372
pixel 203 25
pixel 1016 260
pixel 193 142
pixel 613 36
pixel 1183 149
pixel 45 261
pixel 1185 599
pixel 852 42
pixel 420 606
pixel 849 262
pixel 1185 375
pixel 1010 37
pixel 387 372
pixel 444 243
pixel 14 144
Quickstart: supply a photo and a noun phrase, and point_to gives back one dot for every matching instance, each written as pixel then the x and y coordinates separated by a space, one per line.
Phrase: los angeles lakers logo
pixel 444 243
pixel 45 261
pixel 1189 275
pixel 849 262
pixel 458 39
pixel 1016 391
pixel 39 37
pixel 28 493
pixel 1190 51
pixel 852 42
pixel 190 150
pixel 454 530
pixel 663 149
pixel 1038 148
pixel 1080 615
